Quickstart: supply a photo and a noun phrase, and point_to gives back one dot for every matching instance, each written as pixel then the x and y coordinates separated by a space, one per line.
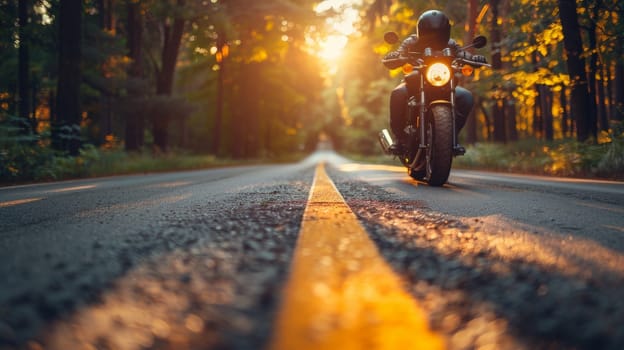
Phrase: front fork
pixel 423 110
pixel 415 119
pixel 417 124
pixel 453 116
pixel 418 120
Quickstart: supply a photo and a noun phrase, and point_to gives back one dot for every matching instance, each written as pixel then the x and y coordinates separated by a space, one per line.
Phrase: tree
pixel 573 44
pixel 498 111
pixel 471 29
pixel 23 81
pixel 257 92
pixel 134 119
pixel 376 10
pixel 592 118
pixel 170 25
pixel 221 57
pixel 619 66
pixel 66 122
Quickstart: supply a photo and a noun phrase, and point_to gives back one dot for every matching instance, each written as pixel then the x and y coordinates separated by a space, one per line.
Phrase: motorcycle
pixel 431 78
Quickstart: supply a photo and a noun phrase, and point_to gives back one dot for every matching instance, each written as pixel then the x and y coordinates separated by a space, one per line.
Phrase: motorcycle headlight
pixel 438 74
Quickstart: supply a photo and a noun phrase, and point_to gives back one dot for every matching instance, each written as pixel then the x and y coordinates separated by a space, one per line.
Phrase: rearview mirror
pixel 391 37
pixel 479 42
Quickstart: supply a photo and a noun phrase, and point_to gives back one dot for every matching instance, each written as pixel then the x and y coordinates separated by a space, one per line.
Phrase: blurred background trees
pixel 249 79
pixel 556 64
pixel 160 74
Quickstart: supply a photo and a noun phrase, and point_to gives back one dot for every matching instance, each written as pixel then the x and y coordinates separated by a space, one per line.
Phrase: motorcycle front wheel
pixel 440 145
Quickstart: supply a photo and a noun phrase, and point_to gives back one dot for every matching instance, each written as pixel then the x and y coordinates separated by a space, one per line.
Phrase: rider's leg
pixel 398 111
pixel 463 105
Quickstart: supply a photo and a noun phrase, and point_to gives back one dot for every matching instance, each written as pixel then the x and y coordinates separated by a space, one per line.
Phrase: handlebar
pixel 404 60
pixel 477 64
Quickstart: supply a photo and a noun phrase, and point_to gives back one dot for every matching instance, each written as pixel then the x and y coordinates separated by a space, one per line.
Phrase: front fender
pixel 439 102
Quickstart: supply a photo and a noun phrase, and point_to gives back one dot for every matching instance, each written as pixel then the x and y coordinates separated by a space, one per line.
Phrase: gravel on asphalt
pixel 488 286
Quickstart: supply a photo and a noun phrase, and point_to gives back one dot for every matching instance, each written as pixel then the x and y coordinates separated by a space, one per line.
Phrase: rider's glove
pixel 391 60
pixel 392 55
pixel 479 58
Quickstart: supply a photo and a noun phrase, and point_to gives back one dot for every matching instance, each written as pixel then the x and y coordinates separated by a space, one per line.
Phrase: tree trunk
pixel 619 71
pixel 245 135
pixel 470 28
pixel 510 113
pixel 498 111
pixel 34 123
pixel 565 127
pixel 537 114
pixel 107 14
pixel 610 76
pixel 510 102
pixel 66 131
pixel 23 76
pixel 488 125
pixel 599 64
pixel 250 115
pixel 164 80
pixel 592 118
pixel 53 113
pixel 216 135
pixel 107 100
pixel 135 124
pixel 546 108
pixel 619 87
pixel 603 112
pixel 576 67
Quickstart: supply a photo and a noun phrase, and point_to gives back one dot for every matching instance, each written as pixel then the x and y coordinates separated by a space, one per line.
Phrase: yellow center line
pixel 18 202
pixel 341 294
pixel 75 188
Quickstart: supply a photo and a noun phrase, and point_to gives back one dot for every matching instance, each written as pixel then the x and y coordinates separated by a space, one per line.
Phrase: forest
pixel 239 79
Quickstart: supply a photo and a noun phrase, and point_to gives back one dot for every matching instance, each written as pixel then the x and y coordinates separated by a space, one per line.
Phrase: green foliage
pixel 29 158
pixel 487 155
pixel 25 158
pixel 560 158
pixel 612 161
pixel 20 155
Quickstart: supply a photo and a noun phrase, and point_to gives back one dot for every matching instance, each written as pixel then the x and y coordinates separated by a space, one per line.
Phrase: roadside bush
pixel 485 155
pixel 26 158
pixel 29 157
pixel 21 156
pixel 612 160
pixel 560 158
pixel 63 167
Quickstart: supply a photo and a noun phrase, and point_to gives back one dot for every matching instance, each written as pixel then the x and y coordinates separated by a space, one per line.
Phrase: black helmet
pixel 434 29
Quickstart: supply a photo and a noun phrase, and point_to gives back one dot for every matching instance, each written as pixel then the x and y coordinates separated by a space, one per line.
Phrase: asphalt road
pixel 200 259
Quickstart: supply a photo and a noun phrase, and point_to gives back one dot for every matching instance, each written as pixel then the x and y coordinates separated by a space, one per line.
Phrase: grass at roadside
pixel 37 165
pixel 560 158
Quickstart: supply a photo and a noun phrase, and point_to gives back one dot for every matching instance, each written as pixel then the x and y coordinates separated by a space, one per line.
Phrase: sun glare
pixel 331 48
pixel 329 42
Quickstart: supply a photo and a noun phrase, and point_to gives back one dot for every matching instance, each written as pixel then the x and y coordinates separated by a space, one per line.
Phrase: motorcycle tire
pixel 440 140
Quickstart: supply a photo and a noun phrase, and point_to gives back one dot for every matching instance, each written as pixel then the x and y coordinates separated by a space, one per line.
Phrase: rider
pixel 434 31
